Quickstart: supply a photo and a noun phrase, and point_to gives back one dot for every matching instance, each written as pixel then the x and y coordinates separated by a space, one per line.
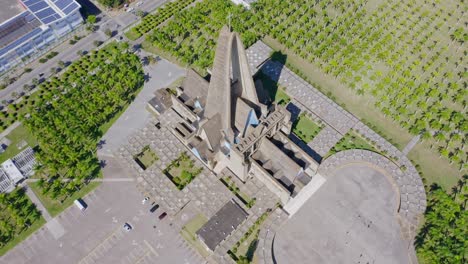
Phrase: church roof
pixel 195 86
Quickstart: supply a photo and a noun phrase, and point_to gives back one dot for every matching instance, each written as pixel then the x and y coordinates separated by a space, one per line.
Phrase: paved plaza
pixel 350 219
pixel 206 192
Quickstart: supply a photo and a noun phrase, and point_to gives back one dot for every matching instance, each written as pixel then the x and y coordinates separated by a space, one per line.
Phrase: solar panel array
pixel 46 13
pixel 67 6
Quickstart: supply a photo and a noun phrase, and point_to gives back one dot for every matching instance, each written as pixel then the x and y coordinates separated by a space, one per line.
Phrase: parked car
pixel 127 227
pixel 161 216
pixel 145 200
pixel 80 204
pixel 154 208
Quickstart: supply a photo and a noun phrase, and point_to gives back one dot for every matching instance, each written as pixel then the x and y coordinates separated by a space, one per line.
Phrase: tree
pixel 61 64
pixel 108 32
pixel 97 43
pixel 442 238
pixel 91 19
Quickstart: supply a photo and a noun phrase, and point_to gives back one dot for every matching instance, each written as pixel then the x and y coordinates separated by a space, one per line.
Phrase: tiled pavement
pixel 257 54
pixel 325 140
pixel 412 194
pixel 206 191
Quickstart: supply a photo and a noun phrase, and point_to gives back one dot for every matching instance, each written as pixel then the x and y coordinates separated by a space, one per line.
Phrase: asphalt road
pixel 68 53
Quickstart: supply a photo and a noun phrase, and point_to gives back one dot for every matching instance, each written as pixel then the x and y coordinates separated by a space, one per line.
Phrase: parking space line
pixel 101 245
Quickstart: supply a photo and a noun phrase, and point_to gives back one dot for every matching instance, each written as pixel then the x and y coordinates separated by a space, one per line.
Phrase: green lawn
pixel 188 232
pixel 22 236
pixel 132 35
pixel 351 141
pixel 305 128
pixel 16 136
pixel 432 167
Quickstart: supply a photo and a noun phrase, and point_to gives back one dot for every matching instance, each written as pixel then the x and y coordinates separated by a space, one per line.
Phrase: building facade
pixel 39 24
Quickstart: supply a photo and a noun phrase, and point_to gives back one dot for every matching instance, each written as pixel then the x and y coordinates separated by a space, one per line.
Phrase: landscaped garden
pixel 305 128
pixel 18 219
pixel 243 251
pixel 182 171
pixel 231 185
pixel 151 21
pixel 69 117
pixel 188 232
pixel 146 158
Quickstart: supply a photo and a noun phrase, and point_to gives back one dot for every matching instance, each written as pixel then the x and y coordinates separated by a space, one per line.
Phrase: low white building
pixel 245 3
pixel 14 170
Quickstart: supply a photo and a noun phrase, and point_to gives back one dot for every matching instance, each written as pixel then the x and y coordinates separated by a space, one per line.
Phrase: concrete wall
pixel 275 187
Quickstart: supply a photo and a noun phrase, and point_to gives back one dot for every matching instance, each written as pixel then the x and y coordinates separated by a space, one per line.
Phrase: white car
pixel 127 227
pixel 130 9
pixel 145 200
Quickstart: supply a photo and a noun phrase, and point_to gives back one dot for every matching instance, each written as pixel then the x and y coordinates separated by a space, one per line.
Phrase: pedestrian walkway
pixel 411 144
pixel 53 225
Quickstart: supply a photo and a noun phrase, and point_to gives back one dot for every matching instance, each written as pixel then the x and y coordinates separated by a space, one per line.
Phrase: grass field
pixel 22 236
pixel 16 136
pixel 188 233
pixel 305 128
pixel 433 168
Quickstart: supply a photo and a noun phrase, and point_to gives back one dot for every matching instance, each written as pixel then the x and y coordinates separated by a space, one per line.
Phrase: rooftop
pixel 10 8
pixel 221 225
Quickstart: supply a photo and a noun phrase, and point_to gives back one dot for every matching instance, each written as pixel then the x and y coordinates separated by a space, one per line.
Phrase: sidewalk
pixel 38 203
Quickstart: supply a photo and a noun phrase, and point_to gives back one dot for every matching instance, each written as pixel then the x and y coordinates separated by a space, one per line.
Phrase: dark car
pixel 161 217
pixel 154 208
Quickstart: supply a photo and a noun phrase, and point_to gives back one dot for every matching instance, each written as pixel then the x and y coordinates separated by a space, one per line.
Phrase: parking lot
pixel 96 235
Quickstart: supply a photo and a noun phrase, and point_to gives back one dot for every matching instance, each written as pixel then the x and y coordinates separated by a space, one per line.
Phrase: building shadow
pixel 88 8
pixel 305 148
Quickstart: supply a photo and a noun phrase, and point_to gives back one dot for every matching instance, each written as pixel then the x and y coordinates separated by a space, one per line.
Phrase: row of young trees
pixel 68 118
pixel 400 54
pixel 443 236
pixel 191 35
pixel 151 21
pixel 17 213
